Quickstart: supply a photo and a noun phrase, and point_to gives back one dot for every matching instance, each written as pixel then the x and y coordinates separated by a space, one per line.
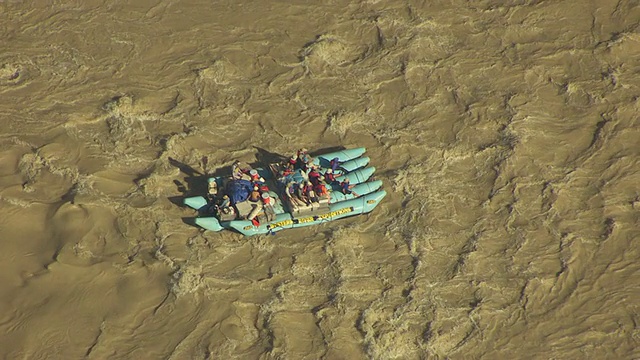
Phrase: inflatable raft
pixel 265 200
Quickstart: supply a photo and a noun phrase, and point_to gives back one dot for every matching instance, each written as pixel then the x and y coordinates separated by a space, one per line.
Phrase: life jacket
pixel 345 187
pixel 320 189
pixel 314 176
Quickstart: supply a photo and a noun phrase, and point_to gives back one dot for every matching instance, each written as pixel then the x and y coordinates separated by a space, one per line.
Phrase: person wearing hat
pixel 309 192
pixel 269 212
pixel 224 204
pixel 334 164
pixel 329 177
pixel 346 187
pixel 255 194
pixel 236 170
pixel 307 161
pixel 253 173
pixel 291 189
pixel 321 188
pixel 301 195
pixel 292 162
pixel 314 175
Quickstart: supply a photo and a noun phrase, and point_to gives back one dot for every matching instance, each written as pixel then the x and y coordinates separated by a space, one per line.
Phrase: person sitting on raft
pixel 269 212
pixel 346 187
pixel 329 177
pixel 301 194
pixel 314 175
pixel 255 194
pixel 321 189
pixel 310 193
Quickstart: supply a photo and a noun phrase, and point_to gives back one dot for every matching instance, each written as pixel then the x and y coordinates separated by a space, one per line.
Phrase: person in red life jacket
pixel 329 177
pixel 346 187
pixel 253 173
pixel 288 170
pixel 293 161
pixel 314 175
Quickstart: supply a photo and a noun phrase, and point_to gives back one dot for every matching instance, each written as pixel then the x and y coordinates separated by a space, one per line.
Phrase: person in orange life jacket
pixel 255 194
pixel 314 175
pixel 288 170
pixel 308 191
pixel 320 188
pixel 346 187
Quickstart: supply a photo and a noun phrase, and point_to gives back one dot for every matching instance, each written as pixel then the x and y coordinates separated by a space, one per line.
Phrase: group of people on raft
pixel 311 189
pixel 247 181
pixel 313 185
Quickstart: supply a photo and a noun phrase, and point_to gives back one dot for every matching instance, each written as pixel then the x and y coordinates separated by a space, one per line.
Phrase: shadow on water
pixel 195 182
pixel 327 150
pixel 189 220
pixel 265 157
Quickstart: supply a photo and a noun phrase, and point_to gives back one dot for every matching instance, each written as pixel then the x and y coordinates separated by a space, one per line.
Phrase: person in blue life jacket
pixel 346 187
pixel 334 164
